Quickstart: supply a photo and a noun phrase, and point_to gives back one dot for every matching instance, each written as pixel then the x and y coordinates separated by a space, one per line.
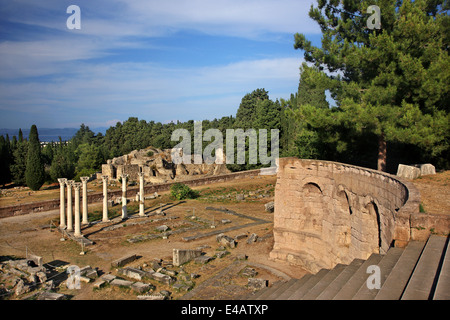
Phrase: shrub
pixel 181 191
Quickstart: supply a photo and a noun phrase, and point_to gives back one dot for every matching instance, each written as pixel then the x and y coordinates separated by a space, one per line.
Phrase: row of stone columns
pixel 63 182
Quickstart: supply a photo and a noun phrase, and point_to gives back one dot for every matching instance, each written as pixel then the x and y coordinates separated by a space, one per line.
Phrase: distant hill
pixel 50 134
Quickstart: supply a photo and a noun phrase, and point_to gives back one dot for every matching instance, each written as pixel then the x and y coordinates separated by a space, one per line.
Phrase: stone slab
pixel 124 260
pixel 181 256
pixel 121 283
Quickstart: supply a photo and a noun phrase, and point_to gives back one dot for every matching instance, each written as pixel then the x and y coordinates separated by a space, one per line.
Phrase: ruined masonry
pixel 74 218
pixel 329 213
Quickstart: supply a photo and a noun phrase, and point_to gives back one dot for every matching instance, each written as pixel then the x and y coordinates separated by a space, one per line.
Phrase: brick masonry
pixel 328 213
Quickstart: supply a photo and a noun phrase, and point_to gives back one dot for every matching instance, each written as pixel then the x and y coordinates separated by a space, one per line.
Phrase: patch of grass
pixel 421 208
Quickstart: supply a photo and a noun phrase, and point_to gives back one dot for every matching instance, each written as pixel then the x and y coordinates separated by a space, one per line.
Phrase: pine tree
pixel 392 82
pixel 312 86
pixel 246 112
pixel 34 173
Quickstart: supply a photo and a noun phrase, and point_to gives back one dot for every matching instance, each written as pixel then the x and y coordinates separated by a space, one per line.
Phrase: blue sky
pixel 155 60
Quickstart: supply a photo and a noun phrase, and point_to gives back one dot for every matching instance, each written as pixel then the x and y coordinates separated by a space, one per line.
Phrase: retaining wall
pixel 328 213
pixel 48 205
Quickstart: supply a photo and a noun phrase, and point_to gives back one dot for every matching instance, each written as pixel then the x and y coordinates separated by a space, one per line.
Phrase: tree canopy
pixel 392 82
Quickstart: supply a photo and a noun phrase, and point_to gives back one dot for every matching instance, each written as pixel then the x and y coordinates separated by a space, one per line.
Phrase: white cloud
pixel 149 90
pixel 71 87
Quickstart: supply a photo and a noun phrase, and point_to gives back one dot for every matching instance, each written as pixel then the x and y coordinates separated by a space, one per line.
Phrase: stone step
pixel 324 282
pixel 398 278
pixel 263 291
pixel 442 291
pixel 300 292
pixel 358 279
pixel 278 291
pixel 294 287
pixel 335 286
pixel 264 295
pixel 420 285
pixel 386 265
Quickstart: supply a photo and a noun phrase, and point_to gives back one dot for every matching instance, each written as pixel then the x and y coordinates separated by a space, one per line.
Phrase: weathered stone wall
pixel 47 205
pixel 328 213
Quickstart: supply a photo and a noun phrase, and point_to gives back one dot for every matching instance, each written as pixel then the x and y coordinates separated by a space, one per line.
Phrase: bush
pixel 181 191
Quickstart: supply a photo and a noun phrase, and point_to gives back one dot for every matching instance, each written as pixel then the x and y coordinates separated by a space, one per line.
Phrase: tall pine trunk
pixel 381 163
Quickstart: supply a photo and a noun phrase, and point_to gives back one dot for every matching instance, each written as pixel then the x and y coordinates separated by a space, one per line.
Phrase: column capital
pixel 62 181
pixel 70 183
pixel 105 178
pixel 76 185
pixel 124 175
pixel 84 179
pixel 140 174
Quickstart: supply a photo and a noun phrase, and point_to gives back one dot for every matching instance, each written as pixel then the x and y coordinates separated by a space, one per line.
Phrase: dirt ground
pixel 31 234
pixel 221 278
pixel 435 192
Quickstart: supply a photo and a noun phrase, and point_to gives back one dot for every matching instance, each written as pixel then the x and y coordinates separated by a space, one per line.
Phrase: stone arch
pixel 374 212
pixel 313 207
pixel 365 230
pixel 312 187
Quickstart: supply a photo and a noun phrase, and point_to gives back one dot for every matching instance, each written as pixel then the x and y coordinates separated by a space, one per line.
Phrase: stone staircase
pixel 421 271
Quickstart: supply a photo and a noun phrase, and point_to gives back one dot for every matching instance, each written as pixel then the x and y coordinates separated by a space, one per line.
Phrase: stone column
pixel 124 196
pixel 105 198
pixel 77 186
pixel 62 203
pixel 141 194
pixel 69 205
pixel 84 180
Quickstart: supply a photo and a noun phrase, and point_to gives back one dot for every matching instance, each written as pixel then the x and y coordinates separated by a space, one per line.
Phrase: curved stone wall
pixel 328 213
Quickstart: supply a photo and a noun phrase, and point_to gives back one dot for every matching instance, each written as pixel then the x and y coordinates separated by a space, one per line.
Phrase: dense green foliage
pixel 181 191
pixel 34 172
pixel 391 84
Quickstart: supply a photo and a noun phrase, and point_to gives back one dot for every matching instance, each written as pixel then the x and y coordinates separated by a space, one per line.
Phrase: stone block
pixel 203 259
pixel 141 287
pixel 51 296
pixel 408 172
pixel 134 273
pixel 162 278
pixel 226 240
pixel 181 256
pixel 257 283
pixel 124 260
pixel 155 296
pixel 253 238
pixel 427 168
pixel 270 207
pixel 100 283
pixel 36 259
pixel 121 283
pixel 240 236
pixel 108 277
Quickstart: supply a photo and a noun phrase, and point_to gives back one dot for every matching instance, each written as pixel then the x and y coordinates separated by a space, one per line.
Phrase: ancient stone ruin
pixel 328 213
pixel 157 167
